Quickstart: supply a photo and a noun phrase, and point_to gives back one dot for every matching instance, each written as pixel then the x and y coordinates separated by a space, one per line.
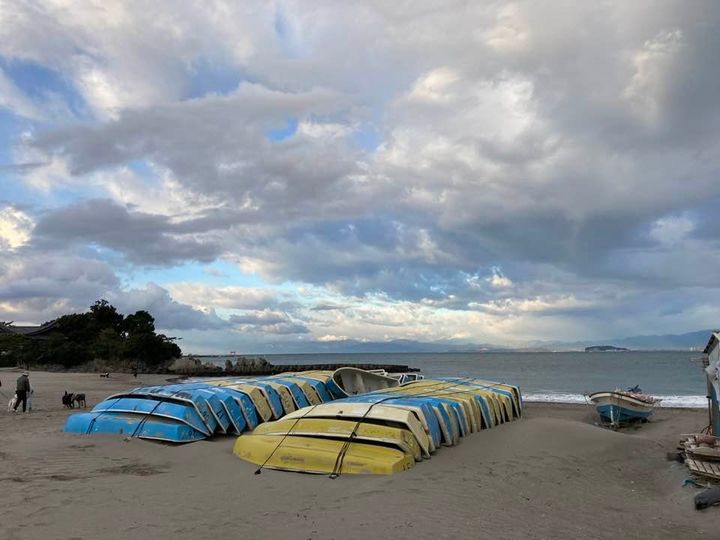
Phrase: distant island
pixel 604 348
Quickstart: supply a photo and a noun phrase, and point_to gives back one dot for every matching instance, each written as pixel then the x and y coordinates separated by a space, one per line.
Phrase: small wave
pixel 685 402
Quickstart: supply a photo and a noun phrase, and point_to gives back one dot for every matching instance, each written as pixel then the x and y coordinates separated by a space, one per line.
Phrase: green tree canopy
pixel 102 333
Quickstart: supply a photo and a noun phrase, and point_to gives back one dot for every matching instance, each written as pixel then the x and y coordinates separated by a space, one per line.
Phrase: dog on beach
pixel 11 404
pixel 106 374
pixel 67 400
pixel 70 400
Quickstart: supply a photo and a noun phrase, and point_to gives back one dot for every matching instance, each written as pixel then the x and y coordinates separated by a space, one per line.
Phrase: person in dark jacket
pixel 22 390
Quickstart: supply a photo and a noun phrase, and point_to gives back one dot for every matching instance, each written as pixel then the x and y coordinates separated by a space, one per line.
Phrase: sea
pixel 561 377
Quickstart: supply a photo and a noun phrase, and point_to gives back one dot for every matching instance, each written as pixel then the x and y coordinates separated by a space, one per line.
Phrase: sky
pixel 277 175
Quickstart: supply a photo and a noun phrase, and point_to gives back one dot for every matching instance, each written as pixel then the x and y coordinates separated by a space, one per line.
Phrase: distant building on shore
pixel 44 331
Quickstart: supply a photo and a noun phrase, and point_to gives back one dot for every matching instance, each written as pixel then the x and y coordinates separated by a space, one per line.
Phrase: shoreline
pixel 668 401
pixel 551 474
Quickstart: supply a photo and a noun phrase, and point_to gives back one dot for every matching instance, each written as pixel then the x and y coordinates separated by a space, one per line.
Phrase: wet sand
pixel 552 474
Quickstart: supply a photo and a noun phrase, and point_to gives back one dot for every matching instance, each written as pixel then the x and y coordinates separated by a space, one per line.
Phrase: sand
pixel 552 474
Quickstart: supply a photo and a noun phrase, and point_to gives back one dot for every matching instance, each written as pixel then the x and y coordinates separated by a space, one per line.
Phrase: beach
pixel 552 474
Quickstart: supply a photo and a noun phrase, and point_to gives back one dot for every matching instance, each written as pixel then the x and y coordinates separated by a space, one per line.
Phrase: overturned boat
pixel 354 381
pixel 380 432
pixel 196 410
pixel 320 456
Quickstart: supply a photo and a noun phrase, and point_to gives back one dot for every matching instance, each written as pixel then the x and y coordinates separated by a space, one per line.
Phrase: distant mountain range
pixel 351 346
pixel 689 341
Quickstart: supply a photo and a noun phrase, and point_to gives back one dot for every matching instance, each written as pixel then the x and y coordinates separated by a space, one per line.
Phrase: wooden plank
pixel 704 468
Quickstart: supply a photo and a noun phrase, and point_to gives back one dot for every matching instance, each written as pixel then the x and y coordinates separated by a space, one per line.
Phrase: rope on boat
pixel 162 400
pixel 444 388
pixel 260 468
pixel 337 468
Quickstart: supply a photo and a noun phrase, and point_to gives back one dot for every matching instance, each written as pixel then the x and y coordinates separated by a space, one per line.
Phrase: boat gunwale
pixel 622 397
pixel 166 398
pixel 148 413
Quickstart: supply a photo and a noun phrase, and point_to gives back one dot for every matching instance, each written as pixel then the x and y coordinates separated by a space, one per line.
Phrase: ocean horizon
pixel 552 377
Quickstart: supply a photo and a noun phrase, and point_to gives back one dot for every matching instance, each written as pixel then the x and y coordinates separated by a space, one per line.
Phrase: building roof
pixel 9 328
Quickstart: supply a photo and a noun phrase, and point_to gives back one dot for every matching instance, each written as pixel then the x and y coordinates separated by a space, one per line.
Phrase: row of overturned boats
pixel 324 422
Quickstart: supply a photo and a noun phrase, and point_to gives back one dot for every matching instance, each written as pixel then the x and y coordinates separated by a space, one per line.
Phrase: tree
pixel 102 333
pixel 77 327
pixel 108 345
pixel 141 322
pixel 11 347
pixel 104 315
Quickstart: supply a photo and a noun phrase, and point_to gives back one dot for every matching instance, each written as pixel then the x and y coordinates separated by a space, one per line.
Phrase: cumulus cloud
pixel 39 286
pixel 168 312
pixel 498 167
pixel 15 227
pixel 143 238
pixel 273 322
pixel 229 297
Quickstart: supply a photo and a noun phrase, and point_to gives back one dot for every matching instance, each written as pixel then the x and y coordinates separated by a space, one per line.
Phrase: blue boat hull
pixel 297 393
pixel 617 413
pixel 132 425
pixel 318 386
pixel 180 412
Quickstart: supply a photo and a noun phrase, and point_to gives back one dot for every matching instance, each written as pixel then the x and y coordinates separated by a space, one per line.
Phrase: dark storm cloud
pixel 142 237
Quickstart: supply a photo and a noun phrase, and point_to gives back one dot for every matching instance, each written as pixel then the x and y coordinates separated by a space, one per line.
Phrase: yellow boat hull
pixel 514 390
pixel 394 416
pixel 320 456
pixel 286 398
pixel 307 389
pixel 338 429
pixel 256 395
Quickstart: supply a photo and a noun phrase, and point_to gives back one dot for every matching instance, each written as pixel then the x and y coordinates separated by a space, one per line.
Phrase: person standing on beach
pixel 30 393
pixel 22 390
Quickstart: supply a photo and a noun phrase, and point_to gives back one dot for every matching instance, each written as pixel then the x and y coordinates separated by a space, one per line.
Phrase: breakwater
pixel 207 366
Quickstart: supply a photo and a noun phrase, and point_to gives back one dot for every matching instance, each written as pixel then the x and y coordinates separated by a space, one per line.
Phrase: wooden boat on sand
pixel 619 406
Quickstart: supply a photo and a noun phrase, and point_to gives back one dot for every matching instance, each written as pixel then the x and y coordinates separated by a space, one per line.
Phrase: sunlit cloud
pixel 500 173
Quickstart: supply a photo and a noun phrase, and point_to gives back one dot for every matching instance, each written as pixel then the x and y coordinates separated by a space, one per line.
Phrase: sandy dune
pixel 551 475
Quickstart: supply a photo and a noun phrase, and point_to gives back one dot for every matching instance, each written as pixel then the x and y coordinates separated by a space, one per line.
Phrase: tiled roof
pixel 6 328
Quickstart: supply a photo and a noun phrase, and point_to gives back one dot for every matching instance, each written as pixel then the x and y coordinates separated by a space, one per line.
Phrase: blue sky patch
pixel 280 134
pixel 210 77
pixel 39 82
